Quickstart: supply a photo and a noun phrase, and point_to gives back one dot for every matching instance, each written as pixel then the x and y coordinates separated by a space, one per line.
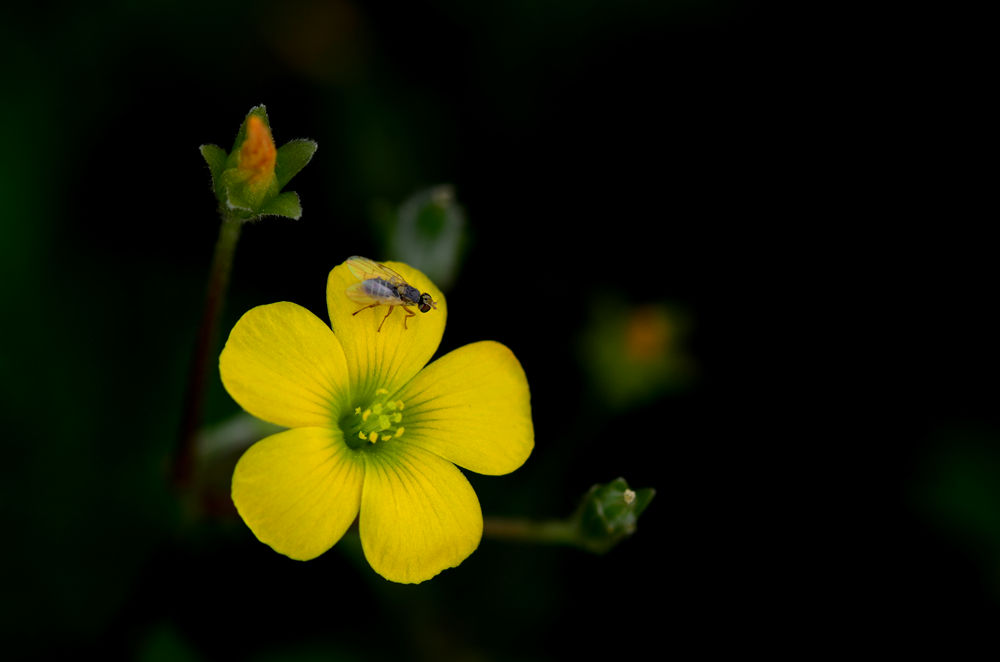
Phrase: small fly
pixel 381 286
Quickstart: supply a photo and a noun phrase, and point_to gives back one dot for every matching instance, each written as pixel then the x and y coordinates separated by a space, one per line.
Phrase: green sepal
pixel 609 513
pixel 284 204
pixel 239 195
pixel 215 157
pixel 293 156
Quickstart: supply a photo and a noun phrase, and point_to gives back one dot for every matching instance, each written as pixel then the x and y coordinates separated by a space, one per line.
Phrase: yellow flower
pixel 372 430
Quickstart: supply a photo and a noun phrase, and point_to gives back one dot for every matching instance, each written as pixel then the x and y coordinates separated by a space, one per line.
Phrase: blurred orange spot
pixel 648 333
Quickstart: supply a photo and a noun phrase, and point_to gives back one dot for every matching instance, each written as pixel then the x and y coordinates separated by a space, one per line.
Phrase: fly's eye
pixel 424 307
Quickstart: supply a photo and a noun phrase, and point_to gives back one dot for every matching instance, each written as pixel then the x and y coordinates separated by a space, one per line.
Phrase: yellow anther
pixel 381 391
pixel 377 408
pixel 364 416
pixel 399 405
pixel 357 410
pixel 386 437
pixel 399 431
pixel 397 418
pixel 361 435
pixel 373 437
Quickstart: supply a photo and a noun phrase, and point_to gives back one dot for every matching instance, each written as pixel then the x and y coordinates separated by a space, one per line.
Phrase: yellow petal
pixel 390 357
pixel 284 365
pixel 472 406
pixel 419 514
pixel 299 490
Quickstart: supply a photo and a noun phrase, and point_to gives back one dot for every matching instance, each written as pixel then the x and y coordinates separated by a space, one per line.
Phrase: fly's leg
pixel 409 314
pixel 391 308
pixel 371 305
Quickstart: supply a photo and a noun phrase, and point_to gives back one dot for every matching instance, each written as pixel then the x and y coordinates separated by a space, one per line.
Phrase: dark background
pixel 797 187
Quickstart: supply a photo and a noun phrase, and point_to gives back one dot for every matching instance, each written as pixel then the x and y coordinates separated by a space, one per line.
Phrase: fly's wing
pixel 362 268
pixel 364 292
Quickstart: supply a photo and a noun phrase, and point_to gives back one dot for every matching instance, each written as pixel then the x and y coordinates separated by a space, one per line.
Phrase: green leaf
pixel 286 204
pixel 215 157
pixel 292 157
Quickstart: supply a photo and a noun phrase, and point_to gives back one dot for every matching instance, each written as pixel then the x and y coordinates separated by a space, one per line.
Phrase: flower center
pixel 380 420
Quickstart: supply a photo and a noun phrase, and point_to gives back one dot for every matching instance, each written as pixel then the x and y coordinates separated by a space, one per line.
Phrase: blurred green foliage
pixel 427 231
pixel 956 488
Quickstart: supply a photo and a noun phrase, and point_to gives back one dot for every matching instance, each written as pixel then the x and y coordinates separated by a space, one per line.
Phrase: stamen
pixel 377 421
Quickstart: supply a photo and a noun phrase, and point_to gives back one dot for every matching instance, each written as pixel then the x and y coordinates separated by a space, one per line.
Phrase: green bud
pixel 608 514
pixel 248 180
pixel 428 231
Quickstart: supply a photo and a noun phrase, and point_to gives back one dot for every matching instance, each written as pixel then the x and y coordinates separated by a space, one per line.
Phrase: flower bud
pixel 258 154
pixel 609 513
pixel 248 181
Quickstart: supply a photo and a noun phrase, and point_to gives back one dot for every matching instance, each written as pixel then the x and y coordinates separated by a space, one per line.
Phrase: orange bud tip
pixel 258 153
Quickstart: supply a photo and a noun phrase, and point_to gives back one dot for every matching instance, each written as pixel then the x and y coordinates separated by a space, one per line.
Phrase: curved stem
pixel 218 283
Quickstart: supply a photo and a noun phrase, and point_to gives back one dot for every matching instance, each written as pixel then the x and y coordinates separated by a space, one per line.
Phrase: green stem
pixel 557 532
pixel 215 295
